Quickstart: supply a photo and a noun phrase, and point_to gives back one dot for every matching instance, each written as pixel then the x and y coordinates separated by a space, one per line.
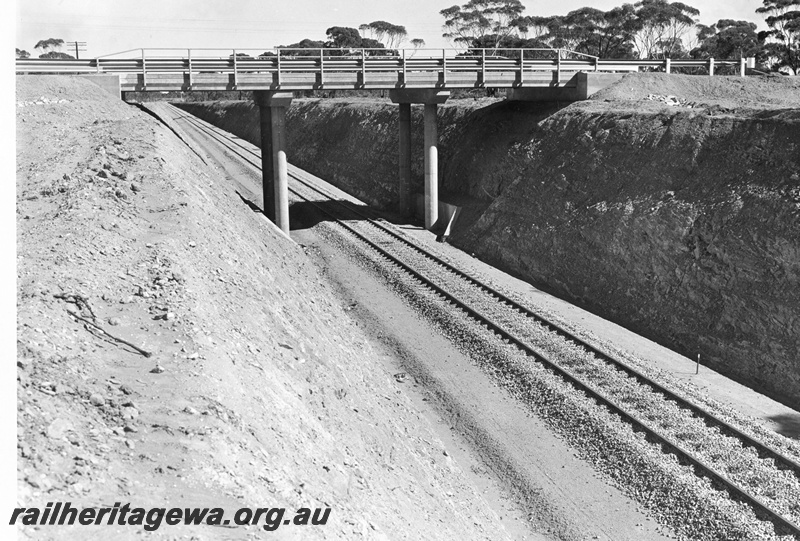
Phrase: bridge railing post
pixel 403 62
pixel 363 67
pixel 667 65
pixel 278 73
pixel 711 67
pixel 742 66
pixel 321 67
pixel 144 69
pixel 235 81
pixel 444 67
pixel 558 66
pixel 189 54
pixel 483 67
pixel 521 66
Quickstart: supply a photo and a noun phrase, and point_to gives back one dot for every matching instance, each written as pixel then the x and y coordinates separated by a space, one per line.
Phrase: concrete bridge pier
pixel 431 98
pixel 431 141
pixel 274 165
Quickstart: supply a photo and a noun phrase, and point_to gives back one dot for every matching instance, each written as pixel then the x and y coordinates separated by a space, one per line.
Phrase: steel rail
pixel 702 467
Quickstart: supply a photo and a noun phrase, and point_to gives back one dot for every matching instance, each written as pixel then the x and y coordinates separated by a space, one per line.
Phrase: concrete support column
pixel 430 97
pixel 431 166
pixel 280 167
pixel 267 180
pixel 274 166
pixel 404 189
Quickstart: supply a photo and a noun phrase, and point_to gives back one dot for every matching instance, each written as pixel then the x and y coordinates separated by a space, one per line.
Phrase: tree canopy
pixel 487 21
pixel 392 35
pixel 343 37
pixel 57 54
pixel 50 47
pixel 50 43
pixel 381 34
pixel 661 27
pixel 783 37
pixel 729 39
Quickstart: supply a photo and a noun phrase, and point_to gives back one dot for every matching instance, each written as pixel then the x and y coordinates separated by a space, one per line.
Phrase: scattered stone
pixel 102 173
pixel 191 411
pixel 58 429
pixel 672 101
pixel 169 316
pixel 41 482
pixel 130 444
pixel 130 413
pixel 125 389
pixel 400 377
pixel 114 321
pixel 135 187
pixel 130 428
pixel 157 370
pixel 24 450
pixel 97 400
pixel 126 300
pixel 192 244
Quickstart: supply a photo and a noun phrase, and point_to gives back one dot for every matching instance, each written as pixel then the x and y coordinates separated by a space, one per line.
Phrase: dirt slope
pixel 260 390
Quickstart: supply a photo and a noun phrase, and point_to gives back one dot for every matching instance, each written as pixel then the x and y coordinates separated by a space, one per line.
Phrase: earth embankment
pixel 677 217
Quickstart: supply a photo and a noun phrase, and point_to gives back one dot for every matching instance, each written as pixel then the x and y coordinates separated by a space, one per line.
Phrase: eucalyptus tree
pixel 728 38
pixel 47 44
pixel 783 19
pixel 661 27
pixel 489 22
pixel 391 35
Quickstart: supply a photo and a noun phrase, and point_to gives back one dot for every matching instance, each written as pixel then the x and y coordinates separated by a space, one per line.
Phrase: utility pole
pixel 78 46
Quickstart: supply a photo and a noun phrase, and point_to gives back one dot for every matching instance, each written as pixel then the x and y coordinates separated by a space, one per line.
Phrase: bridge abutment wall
pixel 679 223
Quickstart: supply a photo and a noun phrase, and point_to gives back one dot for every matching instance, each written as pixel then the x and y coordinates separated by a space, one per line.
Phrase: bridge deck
pixel 288 81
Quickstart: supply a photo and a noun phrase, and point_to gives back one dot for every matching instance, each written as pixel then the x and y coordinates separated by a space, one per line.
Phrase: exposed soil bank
pixel 681 223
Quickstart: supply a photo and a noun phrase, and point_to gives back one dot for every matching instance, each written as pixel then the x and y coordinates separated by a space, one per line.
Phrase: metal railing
pixel 280 62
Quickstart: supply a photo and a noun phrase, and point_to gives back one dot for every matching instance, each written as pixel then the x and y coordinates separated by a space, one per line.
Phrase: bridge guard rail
pixel 290 69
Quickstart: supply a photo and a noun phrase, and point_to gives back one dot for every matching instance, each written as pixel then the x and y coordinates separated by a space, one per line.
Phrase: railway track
pixel 749 470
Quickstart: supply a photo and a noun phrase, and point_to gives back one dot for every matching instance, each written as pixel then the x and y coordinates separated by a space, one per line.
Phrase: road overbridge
pixel 424 77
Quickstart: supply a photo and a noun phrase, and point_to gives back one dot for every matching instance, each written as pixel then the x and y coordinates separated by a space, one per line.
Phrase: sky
pixel 111 26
